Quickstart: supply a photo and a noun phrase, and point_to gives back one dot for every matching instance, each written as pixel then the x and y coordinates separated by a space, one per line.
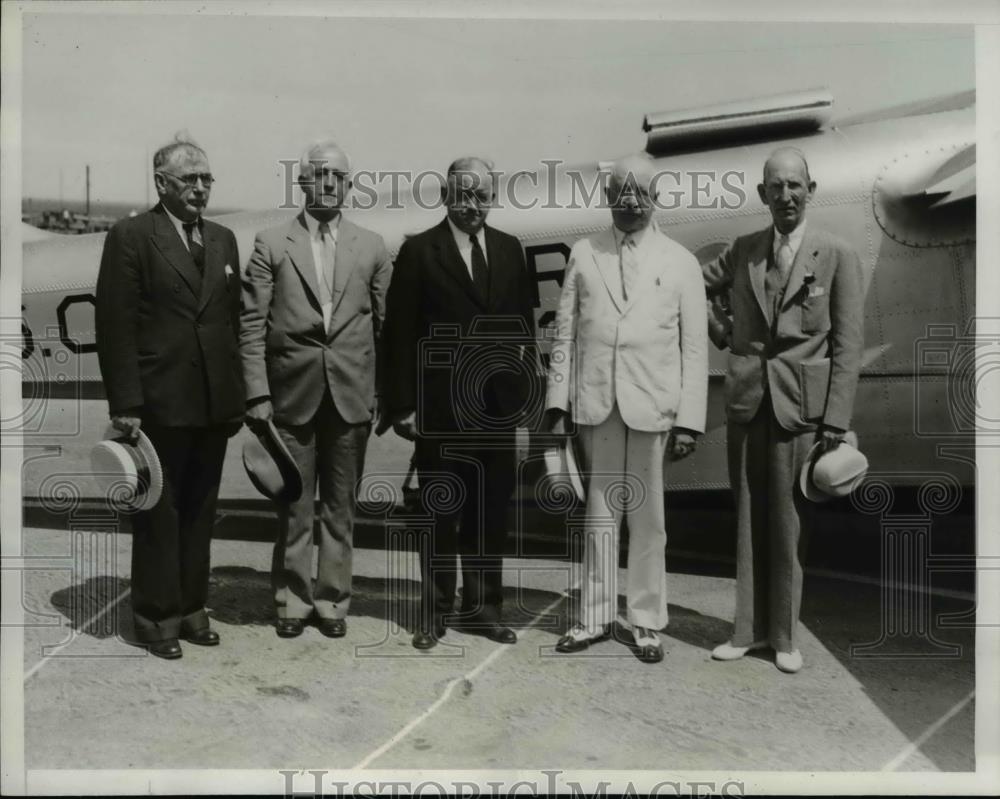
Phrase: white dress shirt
pixel 465 245
pixel 179 227
pixel 794 240
pixel 640 249
pixel 316 241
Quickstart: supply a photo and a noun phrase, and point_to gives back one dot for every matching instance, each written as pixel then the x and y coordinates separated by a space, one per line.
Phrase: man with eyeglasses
pixel 630 368
pixel 459 342
pixel 313 304
pixel 167 318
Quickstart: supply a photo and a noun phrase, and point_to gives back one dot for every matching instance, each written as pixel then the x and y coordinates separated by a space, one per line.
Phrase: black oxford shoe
pixel 332 628
pixel 167 649
pixel 289 628
pixel 428 639
pixel 206 637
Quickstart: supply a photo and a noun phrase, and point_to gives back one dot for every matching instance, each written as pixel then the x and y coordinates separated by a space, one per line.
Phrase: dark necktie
pixel 480 272
pixel 197 250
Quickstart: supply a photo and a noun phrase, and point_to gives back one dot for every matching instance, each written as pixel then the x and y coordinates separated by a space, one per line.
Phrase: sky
pixel 108 88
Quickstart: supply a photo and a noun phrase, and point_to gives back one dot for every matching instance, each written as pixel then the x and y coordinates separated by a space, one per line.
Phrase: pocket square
pixel 229 271
pixel 817 291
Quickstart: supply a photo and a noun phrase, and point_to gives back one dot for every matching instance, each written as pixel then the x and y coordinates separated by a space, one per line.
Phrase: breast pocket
pixel 816 314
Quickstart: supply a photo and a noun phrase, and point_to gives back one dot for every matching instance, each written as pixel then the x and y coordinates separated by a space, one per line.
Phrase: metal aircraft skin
pixel 898 185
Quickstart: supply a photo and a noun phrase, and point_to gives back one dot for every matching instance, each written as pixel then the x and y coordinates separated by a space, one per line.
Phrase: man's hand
pixel 127 423
pixel 556 422
pixel 405 426
pixel 829 437
pixel 259 414
pixel 682 443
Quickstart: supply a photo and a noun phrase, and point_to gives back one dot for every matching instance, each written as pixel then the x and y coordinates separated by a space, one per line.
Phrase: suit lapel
pixel 757 267
pixel 173 250
pixel 495 264
pixel 300 252
pixel 606 257
pixel 650 264
pixel 344 261
pixel 805 261
pixel 452 263
pixel 214 265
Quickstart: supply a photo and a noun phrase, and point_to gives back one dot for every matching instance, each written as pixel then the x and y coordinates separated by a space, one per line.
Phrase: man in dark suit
pixel 167 318
pixel 795 340
pixel 458 336
pixel 313 304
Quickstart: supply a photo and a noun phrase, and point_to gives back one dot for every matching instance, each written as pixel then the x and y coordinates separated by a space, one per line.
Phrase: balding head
pixel 632 192
pixel 787 188
pixel 325 178
pixel 468 192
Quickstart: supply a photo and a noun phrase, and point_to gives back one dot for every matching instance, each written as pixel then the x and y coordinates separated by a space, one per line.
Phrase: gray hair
pixel 318 145
pixel 791 151
pixel 182 143
pixel 468 162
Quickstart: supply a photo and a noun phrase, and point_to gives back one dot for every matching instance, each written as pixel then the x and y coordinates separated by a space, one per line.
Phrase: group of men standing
pixel 320 336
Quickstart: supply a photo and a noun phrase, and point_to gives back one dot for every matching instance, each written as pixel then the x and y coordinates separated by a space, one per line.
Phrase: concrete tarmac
pixel 93 700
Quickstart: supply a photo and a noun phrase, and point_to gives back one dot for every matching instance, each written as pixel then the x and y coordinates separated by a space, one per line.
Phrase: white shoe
pixel 727 651
pixel 788 662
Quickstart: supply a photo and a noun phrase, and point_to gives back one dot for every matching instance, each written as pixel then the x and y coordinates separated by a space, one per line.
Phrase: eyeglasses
pixel 192 180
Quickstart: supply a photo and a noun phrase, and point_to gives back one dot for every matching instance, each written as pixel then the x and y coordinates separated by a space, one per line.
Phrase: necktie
pixel 480 271
pixel 783 260
pixel 328 250
pixel 630 266
pixel 194 247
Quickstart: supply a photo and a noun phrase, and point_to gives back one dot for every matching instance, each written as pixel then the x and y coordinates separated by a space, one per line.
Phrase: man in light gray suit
pixel 795 344
pixel 312 309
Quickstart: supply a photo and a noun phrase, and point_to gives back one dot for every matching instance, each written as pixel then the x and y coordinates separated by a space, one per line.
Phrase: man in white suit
pixel 630 368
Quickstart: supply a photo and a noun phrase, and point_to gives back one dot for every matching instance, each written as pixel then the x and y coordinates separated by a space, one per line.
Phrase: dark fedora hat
pixel 270 465
pixel 129 472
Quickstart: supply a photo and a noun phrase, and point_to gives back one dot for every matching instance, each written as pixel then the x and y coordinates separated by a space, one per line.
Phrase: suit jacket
pixel 167 334
pixel 464 361
pixel 648 354
pixel 288 354
pixel 810 359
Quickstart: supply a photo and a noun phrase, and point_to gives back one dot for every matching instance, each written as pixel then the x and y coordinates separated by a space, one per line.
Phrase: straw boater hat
pixel 128 471
pixel 835 473
pixel 560 465
pixel 270 465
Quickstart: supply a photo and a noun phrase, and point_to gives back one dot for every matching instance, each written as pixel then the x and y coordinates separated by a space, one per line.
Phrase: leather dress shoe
pixel 168 649
pixel 579 638
pixel 788 662
pixel 205 637
pixel 427 639
pixel 647 644
pixel 728 651
pixel 332 628
pixel 492 630
pixel 289 628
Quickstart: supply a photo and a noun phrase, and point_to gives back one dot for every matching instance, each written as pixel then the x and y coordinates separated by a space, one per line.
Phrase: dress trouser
pixel 625 477
pixel 466 485
pixel 171 543
pixel 773 520
pixel 330 453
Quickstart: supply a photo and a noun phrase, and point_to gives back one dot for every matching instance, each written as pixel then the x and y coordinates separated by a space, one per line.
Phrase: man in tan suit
pixel 630 367
pixel 795 341
pixel 313 304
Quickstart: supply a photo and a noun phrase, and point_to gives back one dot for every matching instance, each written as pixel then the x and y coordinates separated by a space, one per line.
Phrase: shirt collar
pixel 462 238
pixel 638 237
pixel 312 223
pixel 178 224
pixel 794 238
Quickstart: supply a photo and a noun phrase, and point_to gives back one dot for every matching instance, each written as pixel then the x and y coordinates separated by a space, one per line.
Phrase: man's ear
pixel 762 193
pixel 812 188
pixel 160 182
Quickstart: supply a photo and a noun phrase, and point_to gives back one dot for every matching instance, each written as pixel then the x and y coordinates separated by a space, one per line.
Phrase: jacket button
pixel 194 361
